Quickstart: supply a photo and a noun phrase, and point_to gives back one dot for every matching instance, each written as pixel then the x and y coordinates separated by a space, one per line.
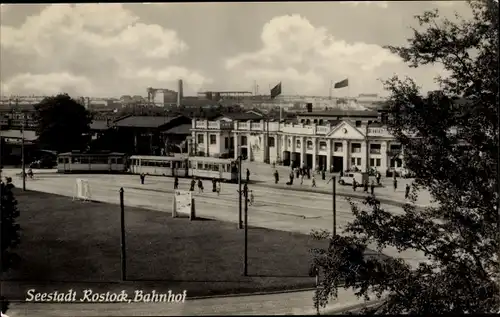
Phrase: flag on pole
pixel 342 84
pixel 276 91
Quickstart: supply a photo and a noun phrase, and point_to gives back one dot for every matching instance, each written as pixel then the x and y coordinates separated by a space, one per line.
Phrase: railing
pixel 255 126
pixel 322 130
pixel 375 151
pixel 243 126
pixel 201 125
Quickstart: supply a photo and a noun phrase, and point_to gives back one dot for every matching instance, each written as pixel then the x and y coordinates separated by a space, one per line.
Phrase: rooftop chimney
pixel 180 93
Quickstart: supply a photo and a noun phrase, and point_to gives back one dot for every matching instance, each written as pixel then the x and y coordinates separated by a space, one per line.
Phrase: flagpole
pixel 330 90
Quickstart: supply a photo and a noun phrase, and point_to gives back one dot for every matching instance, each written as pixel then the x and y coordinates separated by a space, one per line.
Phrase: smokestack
pixel 180 93
pixel 309 107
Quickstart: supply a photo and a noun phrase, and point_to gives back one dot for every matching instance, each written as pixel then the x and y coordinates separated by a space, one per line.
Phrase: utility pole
pixel 367 163
pixel 122 237
pixel 334 204
pixel 23 164
pixel 240 223
pixel 268 156
pixel 245 261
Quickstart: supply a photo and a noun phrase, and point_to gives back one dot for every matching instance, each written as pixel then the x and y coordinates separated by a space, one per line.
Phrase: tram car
pixel 159 165
pixel 211 167
pixel 76 162
pixel 183 166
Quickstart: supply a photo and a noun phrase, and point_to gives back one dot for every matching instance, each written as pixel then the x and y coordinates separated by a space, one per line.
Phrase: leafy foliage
pixel 63 124
pixel 455 156
pixel 9 234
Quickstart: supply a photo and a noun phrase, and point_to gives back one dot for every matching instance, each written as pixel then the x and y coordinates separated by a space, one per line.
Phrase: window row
pixel 90 160
pixel 227 141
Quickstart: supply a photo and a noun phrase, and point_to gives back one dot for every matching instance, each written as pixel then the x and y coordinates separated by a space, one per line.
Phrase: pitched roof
pixel 99 125
pixel 180 129
pixel 143 121
pixel 243 116
pixel 341 113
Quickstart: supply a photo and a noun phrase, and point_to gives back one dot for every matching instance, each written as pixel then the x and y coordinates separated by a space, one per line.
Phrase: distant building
pixel 337 140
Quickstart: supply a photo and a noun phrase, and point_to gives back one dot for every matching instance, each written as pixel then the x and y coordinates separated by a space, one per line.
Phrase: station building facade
pixel 334 140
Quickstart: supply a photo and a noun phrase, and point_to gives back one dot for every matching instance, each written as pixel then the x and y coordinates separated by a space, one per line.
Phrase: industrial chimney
pixel 180 93
pixel 309 107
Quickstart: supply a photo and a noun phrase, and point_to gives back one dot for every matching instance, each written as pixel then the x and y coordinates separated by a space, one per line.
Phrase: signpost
pixel 183 204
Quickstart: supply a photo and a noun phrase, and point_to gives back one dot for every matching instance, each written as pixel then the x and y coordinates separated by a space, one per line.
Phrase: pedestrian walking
pixel 248 175
pixel 353 184
pixel 291 178
pixel 407 191
pixel 301 179
pixel 176 182
pixel 297 172
pixel 323 174
pixel 308 173
pixel 193 182
pixel 218 188
pixel 365 186
pixel 378 178
pixel 276 177
pixel 251 198
pixel 395 183
pixel 214 185
pixel 372 188
pixel 200 186
pixel 313 181
pixel 142 177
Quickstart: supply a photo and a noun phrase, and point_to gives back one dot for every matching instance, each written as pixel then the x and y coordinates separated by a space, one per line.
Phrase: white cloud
pixel 52 83
pixel 446 3
pixel 306 58
pixel 381 4
pixel 101 43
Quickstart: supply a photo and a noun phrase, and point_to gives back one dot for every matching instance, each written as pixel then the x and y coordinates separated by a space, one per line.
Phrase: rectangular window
pixel 338 147
pixel 372 162
pixel 213 139
pixel 243 140
pixel 271 142
pixel 200 165
pixel 226 143
pixel 322 145
pixel 358 161
pixel 353 161
pixel 358 124
pixel 200 139
pixel 375 148
pixel 355 148
pixel 377 162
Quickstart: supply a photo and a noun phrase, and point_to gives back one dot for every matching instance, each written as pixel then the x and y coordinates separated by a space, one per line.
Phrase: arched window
pixel 308 121
pixel 315 121
pixel 298 143
pixel 320 121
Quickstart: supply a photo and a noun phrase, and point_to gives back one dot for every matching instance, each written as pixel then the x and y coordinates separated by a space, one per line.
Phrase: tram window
pixel 215 167
pixel 60 160
pixel 119 161
pixel 84 160
pixel 208 166
pixel 66 160
pixel 113 160
pixel 99 160
pixel 200 165
pixel 189 164
pixel 75 160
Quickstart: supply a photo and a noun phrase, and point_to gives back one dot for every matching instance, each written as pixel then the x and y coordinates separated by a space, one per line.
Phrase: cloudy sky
pixel 107 50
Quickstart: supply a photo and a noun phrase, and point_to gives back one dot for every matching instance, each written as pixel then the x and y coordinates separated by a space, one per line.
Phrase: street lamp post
pixel 239 192
pixel 22 154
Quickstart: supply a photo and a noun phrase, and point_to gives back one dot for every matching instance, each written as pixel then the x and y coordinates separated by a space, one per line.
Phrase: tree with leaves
pixel 451 142
pixel 9 233
pixel 63 124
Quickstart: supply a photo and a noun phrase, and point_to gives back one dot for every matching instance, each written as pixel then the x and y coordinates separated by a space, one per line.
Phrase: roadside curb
pixel 350 308
pixel 349 195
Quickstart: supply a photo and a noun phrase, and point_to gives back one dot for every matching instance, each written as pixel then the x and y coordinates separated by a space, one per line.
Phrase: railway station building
pixel 335 140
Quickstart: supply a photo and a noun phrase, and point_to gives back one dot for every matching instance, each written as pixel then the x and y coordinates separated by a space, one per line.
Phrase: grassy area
pixel 75 245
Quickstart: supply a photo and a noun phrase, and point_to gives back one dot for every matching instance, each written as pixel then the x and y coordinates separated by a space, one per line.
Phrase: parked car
pixel 406 173
pixel 347 178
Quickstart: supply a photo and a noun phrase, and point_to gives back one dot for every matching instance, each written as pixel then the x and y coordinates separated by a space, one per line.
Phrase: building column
pixel 403 165
pixel 383 161
pixel 207 144
pixel 302 150
pixel 315 153
pixel 364 156
pixel 346 150
pixel 328 155
pixel 236 145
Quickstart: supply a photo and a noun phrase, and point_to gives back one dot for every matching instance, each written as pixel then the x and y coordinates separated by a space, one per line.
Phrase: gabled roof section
pixel 144 121
pixel 180 129
pixel 340 113
pixel 346 130
pixel 242 116
pixel 99 125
